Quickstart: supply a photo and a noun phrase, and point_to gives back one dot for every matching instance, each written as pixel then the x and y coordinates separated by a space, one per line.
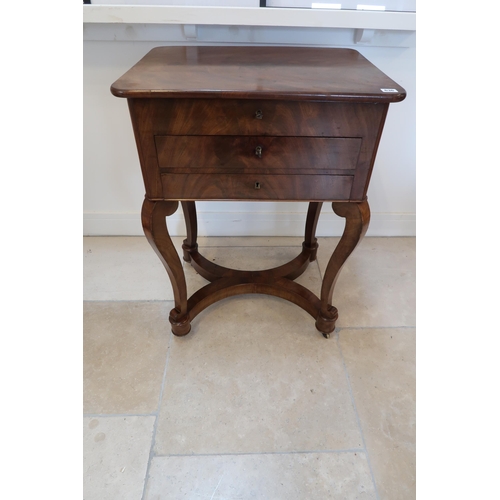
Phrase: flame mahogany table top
pixel 291 73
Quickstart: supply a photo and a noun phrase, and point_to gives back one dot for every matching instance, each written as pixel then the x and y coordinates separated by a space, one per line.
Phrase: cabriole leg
pixel 154 223
pixel 357 218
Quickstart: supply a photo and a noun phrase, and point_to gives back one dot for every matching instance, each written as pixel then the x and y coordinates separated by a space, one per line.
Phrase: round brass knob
pixel 258 151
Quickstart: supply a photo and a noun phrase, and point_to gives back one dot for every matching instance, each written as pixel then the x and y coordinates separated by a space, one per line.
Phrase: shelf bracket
pixel 190 31
pixel 363 36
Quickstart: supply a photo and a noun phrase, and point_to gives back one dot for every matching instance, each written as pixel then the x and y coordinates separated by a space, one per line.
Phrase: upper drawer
pixel 249 117
pixel 274 155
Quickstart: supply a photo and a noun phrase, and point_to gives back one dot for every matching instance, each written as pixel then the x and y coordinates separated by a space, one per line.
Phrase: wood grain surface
pixel 277 118
pixel 292 73
pixel 277 155
pixel 256 187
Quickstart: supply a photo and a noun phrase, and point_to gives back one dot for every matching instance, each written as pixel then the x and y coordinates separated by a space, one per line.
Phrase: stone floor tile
pixel 115 457
pixel 376 286
pixel 127 268
pixel 251 241
pixel 297 476
pixel 124 268
pixel 381 368
pixel 254 375
pixel 125 349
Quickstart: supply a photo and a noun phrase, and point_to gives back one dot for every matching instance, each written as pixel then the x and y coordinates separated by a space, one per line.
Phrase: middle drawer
pixel 248 154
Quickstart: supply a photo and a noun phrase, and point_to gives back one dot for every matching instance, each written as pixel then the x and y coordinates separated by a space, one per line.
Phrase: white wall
pixel 113 187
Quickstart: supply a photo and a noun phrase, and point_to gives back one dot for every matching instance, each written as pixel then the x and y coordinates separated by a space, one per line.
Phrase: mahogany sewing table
pixel 258 124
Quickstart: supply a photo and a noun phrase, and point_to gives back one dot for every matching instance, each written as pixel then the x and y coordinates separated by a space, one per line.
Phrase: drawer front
pixel 256 187
pixel 264 155
pixel 254 117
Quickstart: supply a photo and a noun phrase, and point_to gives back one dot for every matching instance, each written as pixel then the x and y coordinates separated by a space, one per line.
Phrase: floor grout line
pixel 155 426
pixel 400 327
pixel 249 246
pixel 319 269
pixel 251 453
pixel 128 300
pixel 358 420
pixel 118 415
pixel 201 248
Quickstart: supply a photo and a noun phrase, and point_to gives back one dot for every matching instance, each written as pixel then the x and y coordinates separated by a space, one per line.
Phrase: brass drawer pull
pixel 258 151
pixel 258 114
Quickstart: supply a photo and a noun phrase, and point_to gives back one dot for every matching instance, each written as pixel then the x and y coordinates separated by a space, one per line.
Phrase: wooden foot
pixel 181 323
pixel 154 223
pixel 357 216
pixel 325 322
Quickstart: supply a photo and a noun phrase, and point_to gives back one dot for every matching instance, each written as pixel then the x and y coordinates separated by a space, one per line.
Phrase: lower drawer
pixel 256 187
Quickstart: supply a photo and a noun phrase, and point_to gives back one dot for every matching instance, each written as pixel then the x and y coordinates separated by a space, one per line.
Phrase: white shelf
pixel 249 16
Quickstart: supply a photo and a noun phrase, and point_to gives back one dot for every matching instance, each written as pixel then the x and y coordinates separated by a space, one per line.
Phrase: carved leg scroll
pixel 189 244
pixel 155 228
pixel 357 217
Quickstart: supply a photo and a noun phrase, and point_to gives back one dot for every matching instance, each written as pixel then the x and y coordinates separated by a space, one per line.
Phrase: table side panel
pixel 371 122
pixel 142 114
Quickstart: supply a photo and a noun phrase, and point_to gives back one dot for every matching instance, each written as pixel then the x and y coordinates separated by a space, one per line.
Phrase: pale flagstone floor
pixel 254 403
